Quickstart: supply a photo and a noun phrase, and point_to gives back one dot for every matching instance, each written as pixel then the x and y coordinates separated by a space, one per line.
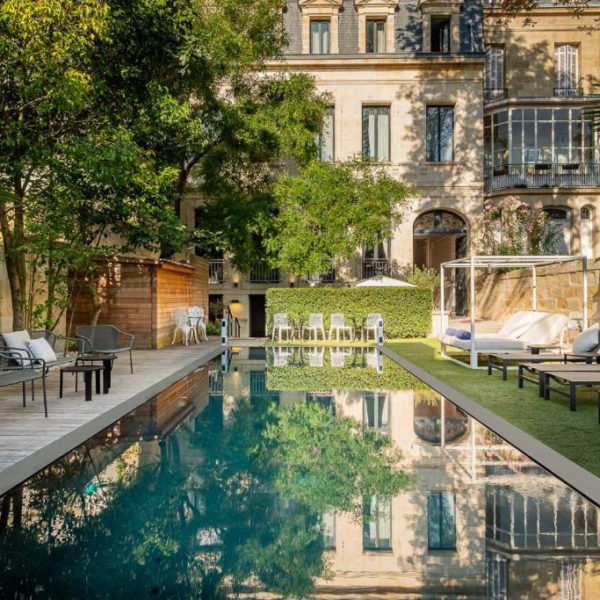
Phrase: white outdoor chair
pixel 315 324
pixel 338 357
pixel 281 357
pixel 315 357
pixel 281 324
pixel 182 323
pixel 196 319
pixel 337 324
pixel 371 325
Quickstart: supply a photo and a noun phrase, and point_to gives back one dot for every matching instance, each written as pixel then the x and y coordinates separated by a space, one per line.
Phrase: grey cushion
pixel 587 340
pixel 17 340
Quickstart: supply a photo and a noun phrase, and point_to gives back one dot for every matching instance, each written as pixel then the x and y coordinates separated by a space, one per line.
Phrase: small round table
pixel 87 371
pixel 107 363
pixel 537 348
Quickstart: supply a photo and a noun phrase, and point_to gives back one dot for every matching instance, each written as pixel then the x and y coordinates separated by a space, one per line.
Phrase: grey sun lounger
pixel 502 360
pixel 543 370
pixel 571 380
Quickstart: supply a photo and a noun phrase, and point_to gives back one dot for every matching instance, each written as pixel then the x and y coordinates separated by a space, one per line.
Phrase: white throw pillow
pixel 17 340
pixel 587 340
pixel 41 349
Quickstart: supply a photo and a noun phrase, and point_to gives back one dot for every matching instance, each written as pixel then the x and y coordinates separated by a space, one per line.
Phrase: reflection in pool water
pixel 252 481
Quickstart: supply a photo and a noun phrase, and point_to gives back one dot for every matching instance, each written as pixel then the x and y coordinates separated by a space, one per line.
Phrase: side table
pixel 107 364
pixel 87 371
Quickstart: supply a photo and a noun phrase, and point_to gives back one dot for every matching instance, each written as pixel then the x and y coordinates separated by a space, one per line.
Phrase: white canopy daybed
pixel 524 327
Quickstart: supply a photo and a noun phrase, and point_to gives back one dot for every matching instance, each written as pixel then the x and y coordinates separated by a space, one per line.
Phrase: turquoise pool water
pixel 304 473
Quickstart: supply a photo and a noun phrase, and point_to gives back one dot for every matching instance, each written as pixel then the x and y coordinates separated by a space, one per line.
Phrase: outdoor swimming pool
pixel 305 473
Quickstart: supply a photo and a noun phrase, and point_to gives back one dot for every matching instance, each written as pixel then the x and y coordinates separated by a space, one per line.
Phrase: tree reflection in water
pixel 239 508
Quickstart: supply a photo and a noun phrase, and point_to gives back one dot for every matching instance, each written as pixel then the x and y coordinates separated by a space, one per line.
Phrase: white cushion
pixel 41 349
pixel 17 340
pixel 484 343
pixel 546 330
pixel 587 340
pixel 518 323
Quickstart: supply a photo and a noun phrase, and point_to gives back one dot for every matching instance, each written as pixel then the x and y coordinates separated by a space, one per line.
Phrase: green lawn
pixel 575 435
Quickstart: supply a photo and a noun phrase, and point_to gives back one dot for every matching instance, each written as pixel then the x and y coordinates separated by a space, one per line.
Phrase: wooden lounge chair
pixel 526 370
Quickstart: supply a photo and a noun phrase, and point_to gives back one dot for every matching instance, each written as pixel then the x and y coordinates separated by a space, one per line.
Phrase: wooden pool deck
pixel 29 442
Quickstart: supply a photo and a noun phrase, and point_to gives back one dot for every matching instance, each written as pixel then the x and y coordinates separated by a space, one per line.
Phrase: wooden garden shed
pixel 138 296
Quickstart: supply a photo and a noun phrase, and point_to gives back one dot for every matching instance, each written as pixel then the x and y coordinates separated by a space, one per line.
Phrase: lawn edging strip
pixel 555 463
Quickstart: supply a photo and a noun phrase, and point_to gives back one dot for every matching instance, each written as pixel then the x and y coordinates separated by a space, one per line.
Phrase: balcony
pixel 568 92
pixel 542 175
pixel 261 272
pixel 491 94
pixel 370 267
pixel 327 277
pixel 216 271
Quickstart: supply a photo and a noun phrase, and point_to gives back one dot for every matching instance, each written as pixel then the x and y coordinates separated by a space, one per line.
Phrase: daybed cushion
pixel 546 330
pixel 41 349
pixel 518 323
pixel 587 340
pixel 484 343
pixel 17 340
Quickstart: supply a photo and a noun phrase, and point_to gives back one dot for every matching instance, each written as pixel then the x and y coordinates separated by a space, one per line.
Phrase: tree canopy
pixel 330 209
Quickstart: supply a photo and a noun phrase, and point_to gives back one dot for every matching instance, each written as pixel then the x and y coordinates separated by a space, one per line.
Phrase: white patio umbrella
pixel 382 281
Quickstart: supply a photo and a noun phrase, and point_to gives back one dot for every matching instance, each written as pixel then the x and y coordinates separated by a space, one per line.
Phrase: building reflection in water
pixel 480 519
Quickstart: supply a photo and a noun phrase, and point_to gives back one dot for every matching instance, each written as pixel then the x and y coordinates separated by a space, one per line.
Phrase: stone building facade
pixel 439 92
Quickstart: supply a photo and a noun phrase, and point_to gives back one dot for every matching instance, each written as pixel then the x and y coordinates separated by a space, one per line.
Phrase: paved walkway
pixel 29 442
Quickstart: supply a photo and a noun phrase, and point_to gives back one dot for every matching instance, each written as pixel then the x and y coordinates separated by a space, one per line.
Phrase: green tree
pixel 329 210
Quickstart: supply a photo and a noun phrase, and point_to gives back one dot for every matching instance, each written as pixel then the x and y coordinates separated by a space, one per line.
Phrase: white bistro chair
pixel 281 324
pixel 370 325
pixel 182 324
pixel 196 319
pixel 315 324
pixel 338 324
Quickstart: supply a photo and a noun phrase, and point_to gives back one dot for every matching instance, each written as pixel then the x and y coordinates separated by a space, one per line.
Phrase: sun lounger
pixel 528 371
pixel 572 381
pixel 503 360
pixel 521 330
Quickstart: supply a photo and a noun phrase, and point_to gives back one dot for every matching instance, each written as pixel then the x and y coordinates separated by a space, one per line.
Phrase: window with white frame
pixel 376 412
pixel 494 69
pixel 320 37
pixel 326 141
pixel 376 132
pixel 566 69
pixel 538 135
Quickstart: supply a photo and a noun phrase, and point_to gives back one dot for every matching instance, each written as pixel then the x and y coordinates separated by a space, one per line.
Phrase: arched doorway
pixel 438 236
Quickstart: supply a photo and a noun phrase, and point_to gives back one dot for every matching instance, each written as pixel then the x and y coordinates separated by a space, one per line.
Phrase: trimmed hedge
pixel 406 312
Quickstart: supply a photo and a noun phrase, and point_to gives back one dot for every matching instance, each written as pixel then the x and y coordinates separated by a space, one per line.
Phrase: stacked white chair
pixel 196 318
pixel 338 324
pixel 182 324
pixel 280 325
pixel 371 325
pixel 315 324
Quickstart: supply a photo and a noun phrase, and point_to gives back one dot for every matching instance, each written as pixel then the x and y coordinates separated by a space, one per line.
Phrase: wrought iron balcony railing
pixel 491 94
pixel 568 92
pixel 326 277
pixel 261 272
pixel 216 271
pixel 542 175
pixel 370 267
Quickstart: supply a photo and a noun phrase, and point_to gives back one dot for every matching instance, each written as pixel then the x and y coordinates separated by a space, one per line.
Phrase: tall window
pixel 566 70
pixel 440 133
pixel 494 71
pixel 441 521
pixel 319 37
pixel 561 220
pixel 377 524
pixel 376 132
pixel 326 140
pixel 440 34
pixel 376 412
pixel 375 36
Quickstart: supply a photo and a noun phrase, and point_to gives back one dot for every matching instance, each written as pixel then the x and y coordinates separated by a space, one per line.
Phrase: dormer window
pixel 320 26
pixel 376 22
pixel 320 37
pixel 440 34
pixel 375 36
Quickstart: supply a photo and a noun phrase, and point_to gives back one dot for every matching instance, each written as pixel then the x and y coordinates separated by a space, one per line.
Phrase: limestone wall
pixel 559 289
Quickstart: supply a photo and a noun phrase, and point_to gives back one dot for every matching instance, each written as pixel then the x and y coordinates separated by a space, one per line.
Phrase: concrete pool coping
pixel 29 442
pixel 572 474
